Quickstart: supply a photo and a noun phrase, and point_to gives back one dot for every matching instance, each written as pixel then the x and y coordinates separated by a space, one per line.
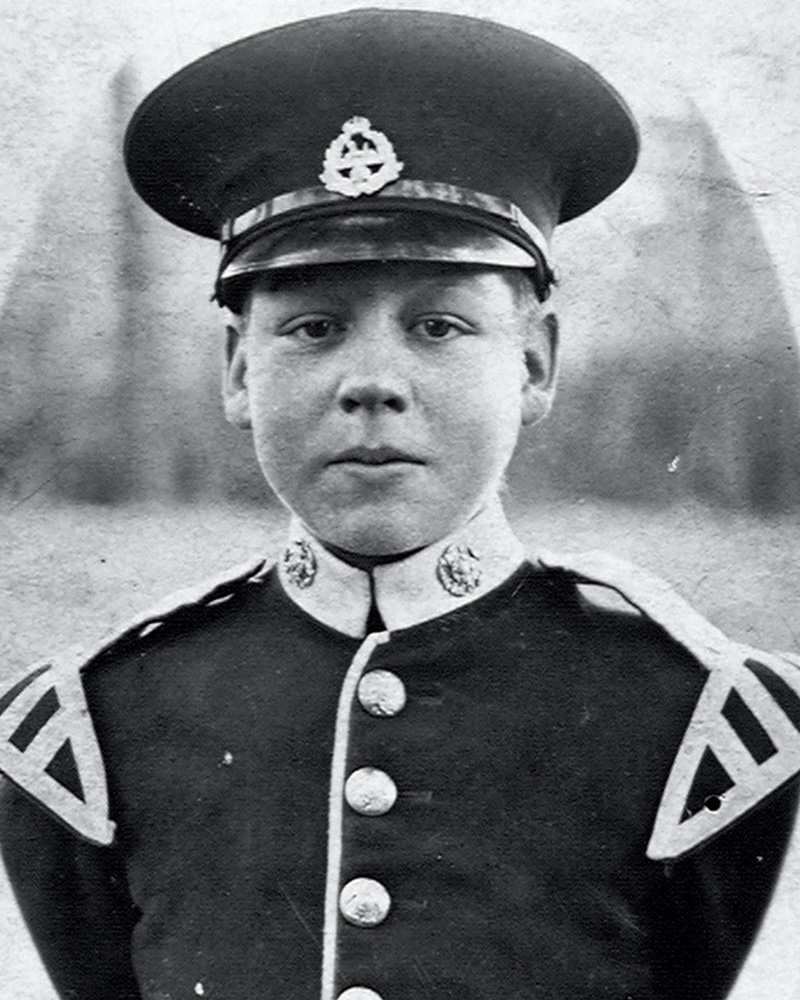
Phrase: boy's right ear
pixel 235 396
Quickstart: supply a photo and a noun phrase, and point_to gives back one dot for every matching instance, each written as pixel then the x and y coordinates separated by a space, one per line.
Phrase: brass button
pixel 364 902
pixel 360 993
pixel 381 693
pixel 370 791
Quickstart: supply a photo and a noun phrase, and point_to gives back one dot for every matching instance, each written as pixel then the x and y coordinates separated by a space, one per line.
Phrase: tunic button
pixel 360 993
pixel 381 693
pixel 370 791
pixel 364 902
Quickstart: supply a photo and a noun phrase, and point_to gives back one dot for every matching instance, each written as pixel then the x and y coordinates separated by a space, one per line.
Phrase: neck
pixel 367 562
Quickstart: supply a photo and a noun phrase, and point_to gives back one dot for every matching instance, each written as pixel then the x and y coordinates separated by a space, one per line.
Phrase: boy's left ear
pixel 235 396
pixel 541 368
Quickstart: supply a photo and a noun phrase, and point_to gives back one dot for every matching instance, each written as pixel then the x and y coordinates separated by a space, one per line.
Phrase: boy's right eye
pixel 317 330
pixel 312 329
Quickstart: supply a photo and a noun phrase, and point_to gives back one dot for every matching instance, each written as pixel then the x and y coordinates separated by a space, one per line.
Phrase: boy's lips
pixel 380 455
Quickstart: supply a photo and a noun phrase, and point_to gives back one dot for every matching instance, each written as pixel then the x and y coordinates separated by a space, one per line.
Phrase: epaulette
pixel 745 729
pixel 46 731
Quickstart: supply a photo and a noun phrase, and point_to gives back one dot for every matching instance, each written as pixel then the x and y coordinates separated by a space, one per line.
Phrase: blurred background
pixel 676 434
pixel 680 371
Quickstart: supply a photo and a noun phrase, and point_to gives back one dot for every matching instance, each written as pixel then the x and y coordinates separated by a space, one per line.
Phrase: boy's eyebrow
pixel 298 284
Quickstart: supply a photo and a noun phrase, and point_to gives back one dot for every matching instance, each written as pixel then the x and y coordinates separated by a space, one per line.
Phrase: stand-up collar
pixel 440 578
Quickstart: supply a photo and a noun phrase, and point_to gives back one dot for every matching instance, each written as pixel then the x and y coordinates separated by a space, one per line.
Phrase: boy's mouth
pixel 381 455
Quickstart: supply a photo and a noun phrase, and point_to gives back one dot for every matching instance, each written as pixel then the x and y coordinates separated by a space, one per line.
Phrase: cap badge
pixel 299 563
pixel 459 570
pixel 360 160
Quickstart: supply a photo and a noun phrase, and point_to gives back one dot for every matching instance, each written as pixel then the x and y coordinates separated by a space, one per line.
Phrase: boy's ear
pixel 235 396
pixel 541 368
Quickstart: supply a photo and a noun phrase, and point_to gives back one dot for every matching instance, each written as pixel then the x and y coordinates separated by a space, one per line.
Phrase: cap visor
pixel 377 236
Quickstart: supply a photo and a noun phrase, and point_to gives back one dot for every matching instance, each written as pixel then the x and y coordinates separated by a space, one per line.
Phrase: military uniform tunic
pixel 456 808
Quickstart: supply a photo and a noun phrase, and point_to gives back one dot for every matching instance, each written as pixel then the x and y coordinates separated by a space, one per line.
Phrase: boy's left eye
pixel 440 328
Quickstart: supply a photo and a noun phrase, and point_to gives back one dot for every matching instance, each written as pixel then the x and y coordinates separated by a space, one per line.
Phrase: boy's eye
pixel 440 328
pixel 313 329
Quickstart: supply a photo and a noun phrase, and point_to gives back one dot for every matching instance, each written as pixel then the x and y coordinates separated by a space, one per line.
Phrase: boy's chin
pixel 382 530
pixel 377 536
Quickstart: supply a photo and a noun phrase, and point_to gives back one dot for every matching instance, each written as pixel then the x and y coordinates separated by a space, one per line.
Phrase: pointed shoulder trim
pixel 743 740
pixel 48 746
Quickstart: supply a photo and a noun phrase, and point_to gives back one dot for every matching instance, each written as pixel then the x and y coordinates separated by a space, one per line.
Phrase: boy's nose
pixel 375 379
pixel 372 392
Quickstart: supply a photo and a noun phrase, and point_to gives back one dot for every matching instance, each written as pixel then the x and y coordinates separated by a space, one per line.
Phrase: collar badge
pixel 459 570
pixel 360 160
pixel 299 563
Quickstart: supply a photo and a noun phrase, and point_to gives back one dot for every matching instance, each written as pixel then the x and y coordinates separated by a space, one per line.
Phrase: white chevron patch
pixel 48 723
pixel 743 740
pixel 745 727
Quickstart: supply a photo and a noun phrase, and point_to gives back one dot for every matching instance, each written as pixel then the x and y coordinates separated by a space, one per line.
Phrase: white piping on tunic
pixel 341 741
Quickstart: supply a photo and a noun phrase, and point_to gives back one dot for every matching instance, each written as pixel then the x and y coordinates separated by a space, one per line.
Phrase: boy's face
pixel 385 400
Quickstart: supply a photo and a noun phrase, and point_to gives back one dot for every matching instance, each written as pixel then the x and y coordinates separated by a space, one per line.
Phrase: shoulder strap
pixel 48 745
pixel 745 728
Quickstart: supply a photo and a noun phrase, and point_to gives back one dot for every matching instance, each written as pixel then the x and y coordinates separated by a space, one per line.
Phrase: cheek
pixel 279 422
pixel 497 391
pixel 485 412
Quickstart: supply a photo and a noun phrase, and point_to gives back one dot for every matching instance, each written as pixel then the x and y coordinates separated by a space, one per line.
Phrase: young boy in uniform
pixel 406 761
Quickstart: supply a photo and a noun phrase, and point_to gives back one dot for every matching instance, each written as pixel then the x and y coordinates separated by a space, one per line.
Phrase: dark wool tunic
pixel 529 758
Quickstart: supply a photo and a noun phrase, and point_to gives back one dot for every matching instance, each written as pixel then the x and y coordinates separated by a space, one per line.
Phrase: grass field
pixel 70 573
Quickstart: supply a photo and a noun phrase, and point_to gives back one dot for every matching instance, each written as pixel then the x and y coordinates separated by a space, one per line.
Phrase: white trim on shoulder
pixel 70 726
pixel 736 670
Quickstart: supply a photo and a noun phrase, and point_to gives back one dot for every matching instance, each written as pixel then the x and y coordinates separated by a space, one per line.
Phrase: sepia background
pixel 676 435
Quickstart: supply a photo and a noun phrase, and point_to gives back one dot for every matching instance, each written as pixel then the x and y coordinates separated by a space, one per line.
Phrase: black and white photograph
pixel 400 500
